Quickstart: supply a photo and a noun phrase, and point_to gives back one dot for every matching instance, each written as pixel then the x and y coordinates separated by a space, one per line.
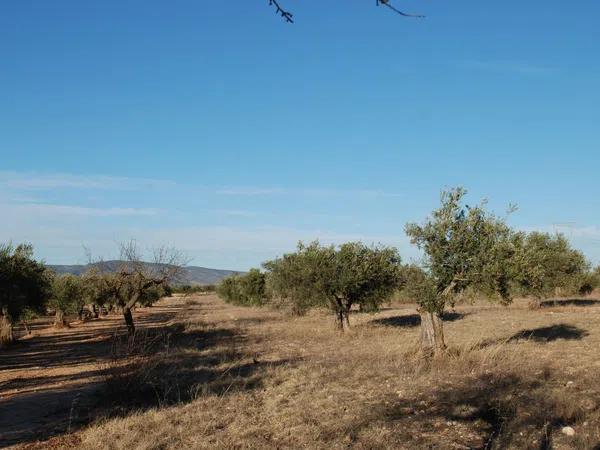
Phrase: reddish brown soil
pixel 48 379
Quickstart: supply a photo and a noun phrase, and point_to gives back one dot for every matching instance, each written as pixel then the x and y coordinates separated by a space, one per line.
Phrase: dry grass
pixel 233 377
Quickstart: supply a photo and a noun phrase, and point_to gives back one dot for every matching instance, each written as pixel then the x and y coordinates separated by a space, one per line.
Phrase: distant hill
pixel 191 275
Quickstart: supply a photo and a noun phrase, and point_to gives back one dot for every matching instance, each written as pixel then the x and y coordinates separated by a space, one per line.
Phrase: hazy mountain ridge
pixel 192 275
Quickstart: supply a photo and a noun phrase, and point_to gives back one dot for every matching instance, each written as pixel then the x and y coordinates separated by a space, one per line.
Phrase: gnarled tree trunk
pixel 6 329
pixel 342 314
pixel 129 320
pixel 60 320
pixel 432 333
pixel 339 320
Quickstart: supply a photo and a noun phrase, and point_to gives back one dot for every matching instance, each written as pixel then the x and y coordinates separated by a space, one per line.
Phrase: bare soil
pixel 48 379
pixel 234 377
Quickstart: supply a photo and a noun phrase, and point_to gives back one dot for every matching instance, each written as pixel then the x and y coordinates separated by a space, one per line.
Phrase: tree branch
pixel 393 8
pixel 287 16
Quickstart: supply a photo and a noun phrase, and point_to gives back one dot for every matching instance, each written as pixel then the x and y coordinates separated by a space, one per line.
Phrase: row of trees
pixel 25 286
pixel 28 287
pixel 465 248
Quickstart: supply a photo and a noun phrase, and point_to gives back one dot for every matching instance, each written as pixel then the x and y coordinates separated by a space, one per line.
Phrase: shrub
pixel 196 289
pixel 246 290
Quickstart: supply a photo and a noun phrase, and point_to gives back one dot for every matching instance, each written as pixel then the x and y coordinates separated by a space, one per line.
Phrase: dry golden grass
pixel 233 377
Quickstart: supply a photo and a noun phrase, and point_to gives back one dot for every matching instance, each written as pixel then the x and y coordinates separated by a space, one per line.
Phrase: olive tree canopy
pixel 464 246
pixel 548 265
pixel 335 278
pixel 249 289
pixel 24 286
pixel 68 295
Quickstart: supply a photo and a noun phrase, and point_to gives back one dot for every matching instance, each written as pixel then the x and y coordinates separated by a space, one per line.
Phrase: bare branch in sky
pixel 288 16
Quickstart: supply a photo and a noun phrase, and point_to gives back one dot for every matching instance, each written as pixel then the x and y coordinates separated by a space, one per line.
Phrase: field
pixel 205 374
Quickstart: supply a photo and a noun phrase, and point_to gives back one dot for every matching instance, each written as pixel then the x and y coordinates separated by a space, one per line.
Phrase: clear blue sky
pixel 218 128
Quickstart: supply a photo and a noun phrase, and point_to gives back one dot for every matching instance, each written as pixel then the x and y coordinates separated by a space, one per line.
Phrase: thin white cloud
pixel 41 181
pixel 264 239
pixel 26 182
pixel 305 192
pixel 235 212
pixel 53 210
pixel 572 230
pixel 364 193
pixel 249 191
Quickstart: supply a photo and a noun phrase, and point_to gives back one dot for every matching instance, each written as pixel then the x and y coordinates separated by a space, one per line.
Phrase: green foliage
pixel 99 288
pixel 68 293
pixel 588 282
pixel 167 290
pixel 420 286
pixel 196 289
pixel 335 278
pixel 25 284
pixel 464 247
pixel 247 290
pixel 547 265
pixel 152 294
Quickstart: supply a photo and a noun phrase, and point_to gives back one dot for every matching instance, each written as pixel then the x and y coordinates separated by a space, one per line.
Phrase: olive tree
pixel 335 277
pixel 133 280
pixel 68 294
pixel 24 287
pixel 249 289
pixel 463 247
pixel 99 288
pixel 548 265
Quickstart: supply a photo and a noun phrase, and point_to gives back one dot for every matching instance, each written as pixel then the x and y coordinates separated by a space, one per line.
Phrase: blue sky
pixel 219 129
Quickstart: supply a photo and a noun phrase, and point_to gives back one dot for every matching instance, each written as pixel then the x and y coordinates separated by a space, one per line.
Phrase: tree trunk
pixel 339 320
pixel 342 313
pixel 129 320
pixel 95 311
pixel 6 330
pixel 432 333
pixel 59 319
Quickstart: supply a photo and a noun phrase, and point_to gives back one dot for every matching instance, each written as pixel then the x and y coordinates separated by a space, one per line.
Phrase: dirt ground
pixel 51 374
pixel 258 378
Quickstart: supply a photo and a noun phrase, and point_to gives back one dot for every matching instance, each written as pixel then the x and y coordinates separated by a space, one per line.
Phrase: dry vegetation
pixel 222 376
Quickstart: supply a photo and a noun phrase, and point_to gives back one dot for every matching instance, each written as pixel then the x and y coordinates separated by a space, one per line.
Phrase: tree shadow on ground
pixel 180 365
pixel 550 333
pixel 414 320
pixel 165 365
pixel 505 410
pixel 541 335
pixel 80 344
pixel 570 302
